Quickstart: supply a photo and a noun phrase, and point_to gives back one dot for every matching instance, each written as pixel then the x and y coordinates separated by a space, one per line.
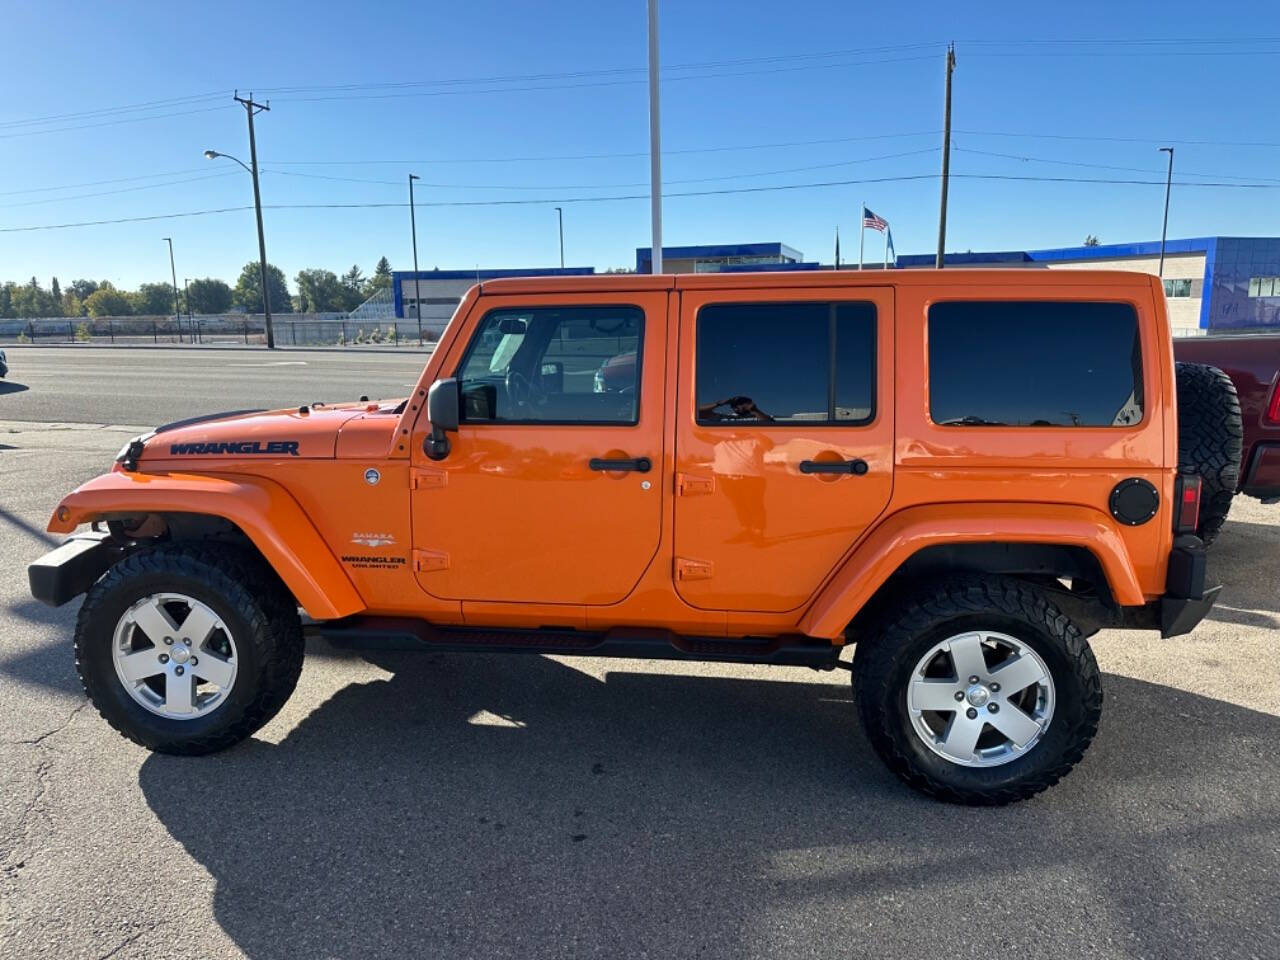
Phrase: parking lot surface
pixel 477 806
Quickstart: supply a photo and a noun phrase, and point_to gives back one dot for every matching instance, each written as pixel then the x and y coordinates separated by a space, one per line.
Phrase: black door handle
pixel 855 467
pixel 638 464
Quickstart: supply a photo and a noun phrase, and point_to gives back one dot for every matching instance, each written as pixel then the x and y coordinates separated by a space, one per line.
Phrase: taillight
pixel 1187 512
pixel 1273 408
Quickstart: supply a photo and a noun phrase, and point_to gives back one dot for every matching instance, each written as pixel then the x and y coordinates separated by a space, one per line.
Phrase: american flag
pixel 869 219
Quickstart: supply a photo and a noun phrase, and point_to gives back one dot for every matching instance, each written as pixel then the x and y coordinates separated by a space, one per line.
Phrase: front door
pixel 784 439
pixel 551 492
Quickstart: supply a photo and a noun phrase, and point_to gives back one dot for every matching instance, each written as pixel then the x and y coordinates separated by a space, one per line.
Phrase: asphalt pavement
pixel 477 806
pixel 85 384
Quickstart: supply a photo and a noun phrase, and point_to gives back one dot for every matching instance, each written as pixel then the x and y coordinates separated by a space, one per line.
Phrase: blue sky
pixel 866 76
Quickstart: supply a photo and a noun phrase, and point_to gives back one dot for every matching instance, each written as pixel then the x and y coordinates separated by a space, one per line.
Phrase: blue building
pixel 716 258
pixel 1213 284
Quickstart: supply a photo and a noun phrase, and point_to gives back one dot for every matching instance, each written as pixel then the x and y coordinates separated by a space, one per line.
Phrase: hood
pixel 308 432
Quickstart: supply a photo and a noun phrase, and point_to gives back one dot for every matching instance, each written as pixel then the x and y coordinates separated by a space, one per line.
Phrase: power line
pixel 98 183
pixel 111 123
pixel 1105 166
pixel 128 108
pixel 645 196
pixel 605 186
pixel 111 193
pixel 1098 139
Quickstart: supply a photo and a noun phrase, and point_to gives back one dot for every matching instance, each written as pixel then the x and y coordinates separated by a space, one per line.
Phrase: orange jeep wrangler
pixel 963 475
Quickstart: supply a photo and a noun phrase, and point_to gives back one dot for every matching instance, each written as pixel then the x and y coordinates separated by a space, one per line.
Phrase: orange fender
pixel 909 531
pixel 263 509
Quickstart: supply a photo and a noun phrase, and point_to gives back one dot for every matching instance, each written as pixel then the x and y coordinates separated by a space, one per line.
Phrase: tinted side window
pixel 554 365
pixel 1034 363
pixel 806 362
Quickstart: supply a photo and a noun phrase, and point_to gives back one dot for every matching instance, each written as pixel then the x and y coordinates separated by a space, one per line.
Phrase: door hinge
pixel 688 485
pixel 428 561
pixel 692 569
pixel 428 479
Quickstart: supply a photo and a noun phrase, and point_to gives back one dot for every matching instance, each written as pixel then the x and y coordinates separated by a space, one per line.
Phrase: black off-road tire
pixel 249 598
pixel 887 653
pixel 1210 440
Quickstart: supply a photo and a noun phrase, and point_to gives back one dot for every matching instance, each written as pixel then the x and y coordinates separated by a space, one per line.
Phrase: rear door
pixel 784 439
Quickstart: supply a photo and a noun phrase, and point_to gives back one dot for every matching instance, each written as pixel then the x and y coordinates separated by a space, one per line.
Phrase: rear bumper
pixel 1186 599
pixel 67 571
pixel 1262 473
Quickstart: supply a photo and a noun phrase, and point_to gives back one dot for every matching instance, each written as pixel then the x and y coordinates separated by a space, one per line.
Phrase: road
pixel 527 807
pixel 84 384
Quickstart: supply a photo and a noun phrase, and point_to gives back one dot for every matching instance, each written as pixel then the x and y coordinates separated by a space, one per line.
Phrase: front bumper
pixel 69 570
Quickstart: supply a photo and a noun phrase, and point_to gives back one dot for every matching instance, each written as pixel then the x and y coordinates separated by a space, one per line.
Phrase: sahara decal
pixel 373 539
pixel 267 448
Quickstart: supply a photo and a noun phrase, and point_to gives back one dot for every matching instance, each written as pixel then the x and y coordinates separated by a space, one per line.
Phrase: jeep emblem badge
pixel 372 476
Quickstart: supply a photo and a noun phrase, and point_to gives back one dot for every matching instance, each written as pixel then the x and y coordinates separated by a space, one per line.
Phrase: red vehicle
pixel 1253 364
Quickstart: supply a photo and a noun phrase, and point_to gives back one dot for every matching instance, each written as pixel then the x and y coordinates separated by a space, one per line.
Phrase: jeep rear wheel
pixel 180 654
pixel 1210 440
pixel 978 691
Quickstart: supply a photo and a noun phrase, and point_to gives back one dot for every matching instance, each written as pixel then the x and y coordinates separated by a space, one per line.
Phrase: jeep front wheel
pixel 978 691
pixel 180 654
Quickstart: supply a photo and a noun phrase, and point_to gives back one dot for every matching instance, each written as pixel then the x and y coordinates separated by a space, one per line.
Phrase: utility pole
pixel 1164 231
pixel 177 311
pixel 655 141
pixel 560 214
pixel 413 225
pixel 251 108
pixel 946 157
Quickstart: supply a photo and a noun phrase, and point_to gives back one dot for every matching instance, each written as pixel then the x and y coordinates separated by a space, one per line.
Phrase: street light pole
pixel 413 225
pixel 186 293
pixel 177 311
pixel 946 159
pixel 560 214
pixel 1164 231
pixel 655 142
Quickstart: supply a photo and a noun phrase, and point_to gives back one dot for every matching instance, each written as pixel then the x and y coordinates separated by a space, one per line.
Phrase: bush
pixel 391 334
pixel 84 332
pixel 23 337
pixel 342 338
pixel 375 335
pixel 360 335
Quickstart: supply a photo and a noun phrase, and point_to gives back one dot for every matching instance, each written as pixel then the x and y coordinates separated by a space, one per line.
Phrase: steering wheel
pixel 520 389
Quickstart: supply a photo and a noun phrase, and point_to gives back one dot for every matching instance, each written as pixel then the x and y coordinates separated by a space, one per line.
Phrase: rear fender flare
pixel 901 535
pixel 265 511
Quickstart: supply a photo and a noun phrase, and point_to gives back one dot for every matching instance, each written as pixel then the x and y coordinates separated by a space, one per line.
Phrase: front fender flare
pixel 265 511
pixel 905 533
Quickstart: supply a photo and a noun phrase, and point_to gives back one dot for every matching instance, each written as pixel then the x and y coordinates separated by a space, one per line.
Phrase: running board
pixel 406 633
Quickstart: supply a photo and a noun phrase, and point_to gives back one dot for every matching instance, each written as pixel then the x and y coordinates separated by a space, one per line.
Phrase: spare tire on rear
pixel 1210 440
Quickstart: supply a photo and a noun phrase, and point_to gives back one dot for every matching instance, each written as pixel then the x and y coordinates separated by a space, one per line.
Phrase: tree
pixel 6 300
pixel 32 300
pixel 381 275
pixel 55 292
pixel 320 291
pixel 153 299
pixel 82 288
pixel 71 305
pixel 1091 241
pixel 208 296
pixel 248 291
pixel 107 301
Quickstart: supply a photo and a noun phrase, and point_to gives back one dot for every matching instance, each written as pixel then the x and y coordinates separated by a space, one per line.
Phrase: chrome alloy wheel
pixel 980 699
pixel 175 656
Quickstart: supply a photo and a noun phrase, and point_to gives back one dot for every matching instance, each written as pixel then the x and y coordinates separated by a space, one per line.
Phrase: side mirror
pixel 442 411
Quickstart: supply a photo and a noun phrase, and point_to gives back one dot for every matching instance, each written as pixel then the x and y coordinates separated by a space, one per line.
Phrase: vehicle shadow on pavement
pixel 1250 595
pixel 52 664
pixel 9 386
pixel 480 807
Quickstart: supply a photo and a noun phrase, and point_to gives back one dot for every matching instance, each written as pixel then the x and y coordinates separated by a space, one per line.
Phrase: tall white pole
pixel 886 248
pixel 655 139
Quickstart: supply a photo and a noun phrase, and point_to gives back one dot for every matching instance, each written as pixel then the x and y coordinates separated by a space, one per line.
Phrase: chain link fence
pixel 300 330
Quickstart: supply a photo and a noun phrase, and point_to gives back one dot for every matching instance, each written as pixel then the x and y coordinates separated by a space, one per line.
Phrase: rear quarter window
pixel 1034 364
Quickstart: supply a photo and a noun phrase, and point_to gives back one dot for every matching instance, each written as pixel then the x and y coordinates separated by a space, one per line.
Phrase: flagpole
pixel 837 248
pixel 886 247
pixel 862 231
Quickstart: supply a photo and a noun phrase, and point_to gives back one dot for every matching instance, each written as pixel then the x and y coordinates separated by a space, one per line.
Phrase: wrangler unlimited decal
pixel 269 447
